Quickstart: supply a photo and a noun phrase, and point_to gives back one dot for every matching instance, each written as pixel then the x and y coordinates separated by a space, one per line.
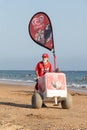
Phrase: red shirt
pixel 43 68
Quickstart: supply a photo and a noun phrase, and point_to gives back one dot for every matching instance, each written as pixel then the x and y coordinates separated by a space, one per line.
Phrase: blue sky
pixel 69 22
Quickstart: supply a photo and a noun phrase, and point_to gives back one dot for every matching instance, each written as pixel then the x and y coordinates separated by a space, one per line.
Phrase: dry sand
pixel 16 112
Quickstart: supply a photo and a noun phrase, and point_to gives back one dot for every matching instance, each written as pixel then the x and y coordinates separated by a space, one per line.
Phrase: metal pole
pixel 54 60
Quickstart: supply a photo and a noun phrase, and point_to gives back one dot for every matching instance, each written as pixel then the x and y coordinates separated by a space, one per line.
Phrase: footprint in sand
pixel 9 126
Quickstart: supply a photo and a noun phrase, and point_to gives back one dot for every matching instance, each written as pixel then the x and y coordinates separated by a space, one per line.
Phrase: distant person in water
pixel 41 68
pixel 85 78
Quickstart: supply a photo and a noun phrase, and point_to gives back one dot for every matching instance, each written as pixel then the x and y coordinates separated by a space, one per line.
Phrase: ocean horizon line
pixel 33 70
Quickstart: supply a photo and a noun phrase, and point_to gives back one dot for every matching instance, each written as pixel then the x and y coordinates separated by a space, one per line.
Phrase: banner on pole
pixel 40 30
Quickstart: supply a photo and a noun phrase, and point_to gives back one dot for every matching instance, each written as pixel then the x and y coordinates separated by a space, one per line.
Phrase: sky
pixel 69 22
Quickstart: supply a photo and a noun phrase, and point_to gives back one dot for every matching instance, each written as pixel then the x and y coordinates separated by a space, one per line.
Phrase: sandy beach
pixel 16 112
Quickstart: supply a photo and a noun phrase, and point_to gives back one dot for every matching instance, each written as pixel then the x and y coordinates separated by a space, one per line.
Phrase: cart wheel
pixel 36 100
pixel 67 103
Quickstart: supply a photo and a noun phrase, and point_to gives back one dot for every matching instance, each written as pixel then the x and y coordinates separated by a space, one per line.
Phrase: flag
pixel 40 30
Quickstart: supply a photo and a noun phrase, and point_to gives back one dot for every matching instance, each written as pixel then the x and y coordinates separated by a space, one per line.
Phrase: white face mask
pixel 45 60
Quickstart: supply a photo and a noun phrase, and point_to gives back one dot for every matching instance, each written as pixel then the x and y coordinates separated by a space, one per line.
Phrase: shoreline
pixel 16 112
pixel 22 83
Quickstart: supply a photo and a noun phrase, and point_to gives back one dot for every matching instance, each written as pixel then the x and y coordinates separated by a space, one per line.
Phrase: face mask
pixel 45 60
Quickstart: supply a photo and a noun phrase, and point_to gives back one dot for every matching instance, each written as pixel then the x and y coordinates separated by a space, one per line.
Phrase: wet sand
pixel 16 112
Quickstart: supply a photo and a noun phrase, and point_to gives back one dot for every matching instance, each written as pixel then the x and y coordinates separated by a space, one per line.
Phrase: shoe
pixel 43 105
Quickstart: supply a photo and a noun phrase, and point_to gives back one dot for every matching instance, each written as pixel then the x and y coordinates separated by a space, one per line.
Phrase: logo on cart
pixel 56 85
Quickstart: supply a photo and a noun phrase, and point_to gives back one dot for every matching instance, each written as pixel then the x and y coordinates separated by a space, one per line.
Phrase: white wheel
pixel 67 103
pixel 36 100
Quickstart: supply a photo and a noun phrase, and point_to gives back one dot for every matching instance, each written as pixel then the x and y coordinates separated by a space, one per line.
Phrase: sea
pixel 74 79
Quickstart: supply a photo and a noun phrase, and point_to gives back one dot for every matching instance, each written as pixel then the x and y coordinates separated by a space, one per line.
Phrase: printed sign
pixel 40 30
